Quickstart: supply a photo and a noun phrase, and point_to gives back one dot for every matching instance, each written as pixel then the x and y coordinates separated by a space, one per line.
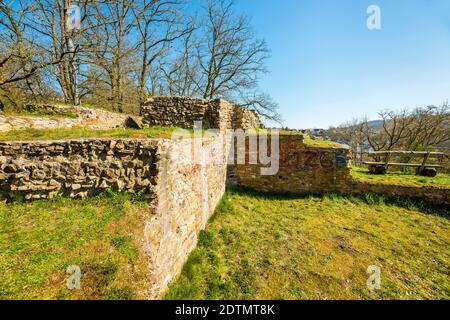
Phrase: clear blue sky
pixel 327 67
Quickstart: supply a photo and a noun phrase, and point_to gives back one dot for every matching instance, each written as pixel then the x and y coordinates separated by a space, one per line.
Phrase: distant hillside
pixel 376 124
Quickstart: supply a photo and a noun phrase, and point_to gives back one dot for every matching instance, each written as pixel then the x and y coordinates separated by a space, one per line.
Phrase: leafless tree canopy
pixel 417 130
pixel 129 50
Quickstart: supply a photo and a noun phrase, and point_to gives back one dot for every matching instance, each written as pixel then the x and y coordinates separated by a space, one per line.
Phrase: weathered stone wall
pixel 76 168
pixel 302 168
pixel 188 191
pixel 183 178
pixel 184 111
pixel 245 118
pixel 306 169
pixel 177 111
pixel 89 117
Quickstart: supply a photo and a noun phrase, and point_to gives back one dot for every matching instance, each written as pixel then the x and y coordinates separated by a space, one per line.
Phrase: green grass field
pixel 256 246
pixel 101 235
pixel 319 143
pixel 41 113
pixel 402 179
pixel 85 132
pixel 260 246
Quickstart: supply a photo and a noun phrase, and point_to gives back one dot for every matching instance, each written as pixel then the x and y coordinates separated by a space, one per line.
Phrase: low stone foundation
pixel 302 168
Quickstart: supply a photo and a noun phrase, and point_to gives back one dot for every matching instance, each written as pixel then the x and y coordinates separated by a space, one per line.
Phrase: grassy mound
pixel 398 178
pixel 85 132
pixel 269 247
pixel 41 114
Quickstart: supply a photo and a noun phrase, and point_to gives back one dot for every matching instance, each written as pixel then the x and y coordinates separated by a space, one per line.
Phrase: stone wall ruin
pixel 182 190
pixel 184 111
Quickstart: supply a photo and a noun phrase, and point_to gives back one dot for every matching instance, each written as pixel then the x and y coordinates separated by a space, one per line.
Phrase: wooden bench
pixel 423 168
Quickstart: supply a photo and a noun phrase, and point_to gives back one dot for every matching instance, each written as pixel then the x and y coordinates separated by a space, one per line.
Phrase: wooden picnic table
pixel 424 168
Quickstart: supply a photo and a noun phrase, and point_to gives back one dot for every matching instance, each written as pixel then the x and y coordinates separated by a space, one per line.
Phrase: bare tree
pixel 263 104
pixel 229 55
pixel 179 73
pixel 430 127
pixel 352 133
pixel 394 129
pixel 112 49
pixel 47 20
pixel 127 50
pixel 22 55
pixel 417 130
pixel 159 23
